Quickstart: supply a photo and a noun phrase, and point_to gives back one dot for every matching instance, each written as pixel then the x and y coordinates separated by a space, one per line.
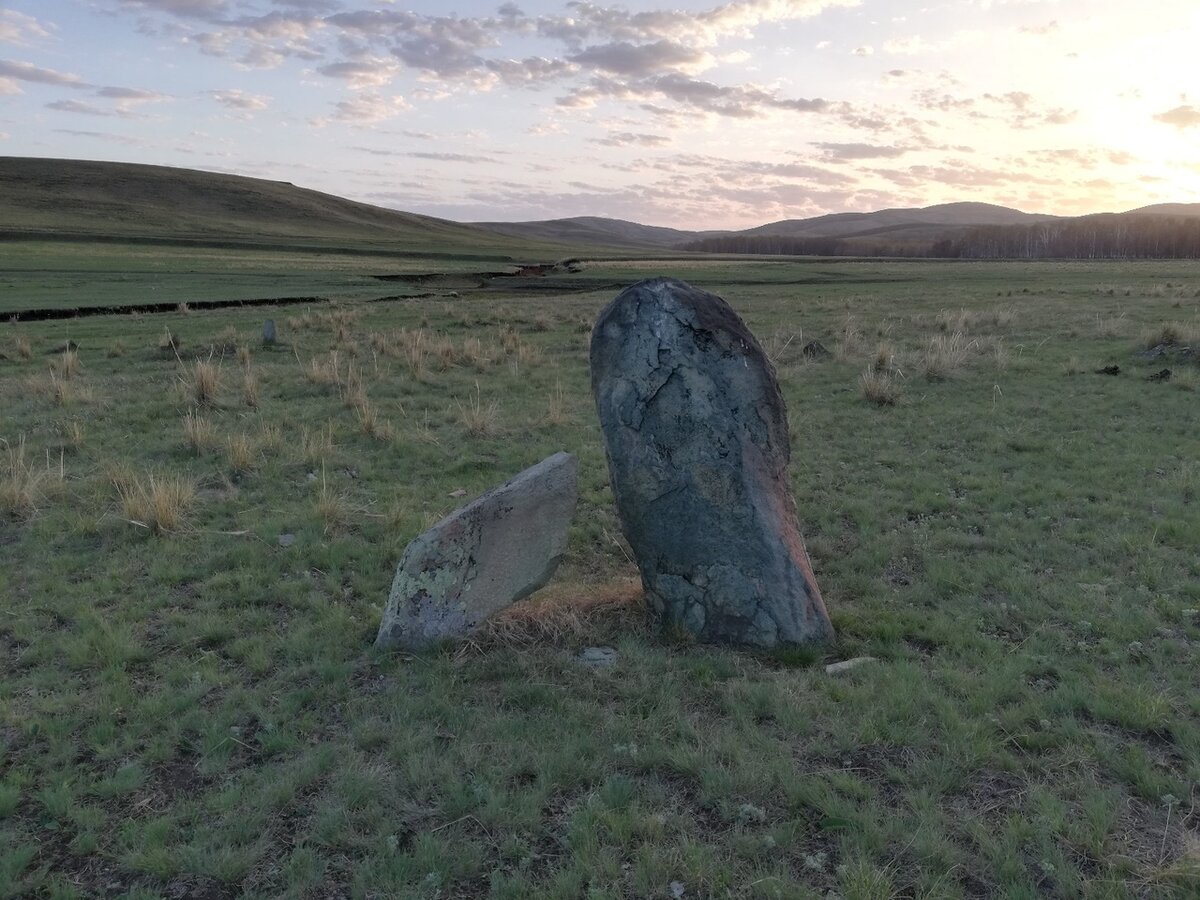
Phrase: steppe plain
pixel 189 708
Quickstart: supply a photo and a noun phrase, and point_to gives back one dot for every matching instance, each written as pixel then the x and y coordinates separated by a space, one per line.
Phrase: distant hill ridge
pixel 115 200
pixel 84 198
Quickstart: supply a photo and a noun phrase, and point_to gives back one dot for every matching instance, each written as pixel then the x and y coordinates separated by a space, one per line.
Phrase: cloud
pixel 628 138
pixel 860 151
pixel 103 136
pixel 451 157
pixel 1181 117
pixel 601 45
pixel 131 95
pixel 362 73
pixel 1049 28
pixel 206 10
pixel 237 99
pixel 640 60
pixel 23 71
pixel 365 109
pixel 866 50
pixel 89 109
pixel 18 28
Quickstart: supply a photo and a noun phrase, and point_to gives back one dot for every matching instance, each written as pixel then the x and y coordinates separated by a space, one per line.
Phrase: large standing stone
pixel 697 439
pixel 486 556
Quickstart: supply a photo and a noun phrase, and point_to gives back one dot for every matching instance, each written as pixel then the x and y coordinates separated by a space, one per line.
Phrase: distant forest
pixel 1105 236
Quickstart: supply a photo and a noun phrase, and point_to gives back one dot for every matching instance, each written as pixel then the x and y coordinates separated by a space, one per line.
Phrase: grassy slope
pixel 116 233
pixel 201 711
pixel 109 199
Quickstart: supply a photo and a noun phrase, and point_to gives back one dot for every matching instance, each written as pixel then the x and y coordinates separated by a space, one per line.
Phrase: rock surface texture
pixel 697 440
pixel 488 555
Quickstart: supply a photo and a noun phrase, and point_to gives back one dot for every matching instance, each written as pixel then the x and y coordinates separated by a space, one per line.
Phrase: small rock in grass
pixel 459 492
pixel 268 337
pixel 1109 370
pixel 846 665
pixel 749 814
pixel 815 350
pixel 1160 375
pixel 677 889
pixel 598 657
pixel 1191 613
pixel 286 540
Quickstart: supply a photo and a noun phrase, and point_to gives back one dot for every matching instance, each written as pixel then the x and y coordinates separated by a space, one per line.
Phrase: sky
pixel 688 114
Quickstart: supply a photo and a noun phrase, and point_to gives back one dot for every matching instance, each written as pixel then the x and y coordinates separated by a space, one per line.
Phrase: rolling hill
pixel 81 199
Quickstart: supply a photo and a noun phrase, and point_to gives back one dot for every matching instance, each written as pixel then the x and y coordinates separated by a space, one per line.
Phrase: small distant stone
pixel 846 665
pixel 677 889
pixel 1109 370
pixel 312 476
pixel 1160 375
pixel 459 492
pixel 269 333
pixel 815 350
pixel 286 540
pixel 598 657
pixel 1191 613
pixel 749 814
pixel 1155 352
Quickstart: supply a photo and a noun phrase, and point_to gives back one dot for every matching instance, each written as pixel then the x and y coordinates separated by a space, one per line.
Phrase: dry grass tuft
pixel 24 485
pixel 946 354
pixel 159 503
pixel 199 433
pixel 849 340
pixel 565 615
pixel 270 438
pixel 332 507
pixel 556 406
pixel 72 434
pixel 884 359
pixel 240 452
pixel 880 386
pixel 371 424
pixel 202 382
pixel 1172 334
pixel 168 343
pixel 479 418
pixel 250 388
pixel 61 390
pixel 243 356
pixel 316 446
pixel 24 348
pixel 1112 326
pixel 1073 366
pixel 67 365
pixel 117 349
pixel 323 371
pixel 783 346
pixel 1186 379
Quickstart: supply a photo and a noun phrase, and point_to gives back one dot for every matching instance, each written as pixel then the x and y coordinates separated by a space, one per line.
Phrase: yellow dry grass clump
pixel 24 484
pixel 159 503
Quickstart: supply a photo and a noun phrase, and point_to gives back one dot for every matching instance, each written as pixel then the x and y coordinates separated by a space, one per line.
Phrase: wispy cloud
pixel 1185 116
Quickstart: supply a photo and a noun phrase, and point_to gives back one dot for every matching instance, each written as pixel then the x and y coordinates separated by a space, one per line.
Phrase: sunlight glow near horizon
pixel 696 115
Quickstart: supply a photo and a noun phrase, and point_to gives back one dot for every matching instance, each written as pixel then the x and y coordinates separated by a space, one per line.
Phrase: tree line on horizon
pixel 1103 236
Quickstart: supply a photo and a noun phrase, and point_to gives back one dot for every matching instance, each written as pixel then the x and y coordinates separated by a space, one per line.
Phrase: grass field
pixel 188 708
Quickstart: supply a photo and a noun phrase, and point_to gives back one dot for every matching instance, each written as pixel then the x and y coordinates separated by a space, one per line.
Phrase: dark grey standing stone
pixel 696 434
pixel 269 333
pixel 493 552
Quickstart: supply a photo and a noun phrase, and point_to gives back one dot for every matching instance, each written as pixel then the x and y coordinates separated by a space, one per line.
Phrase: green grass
pixel 197 708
